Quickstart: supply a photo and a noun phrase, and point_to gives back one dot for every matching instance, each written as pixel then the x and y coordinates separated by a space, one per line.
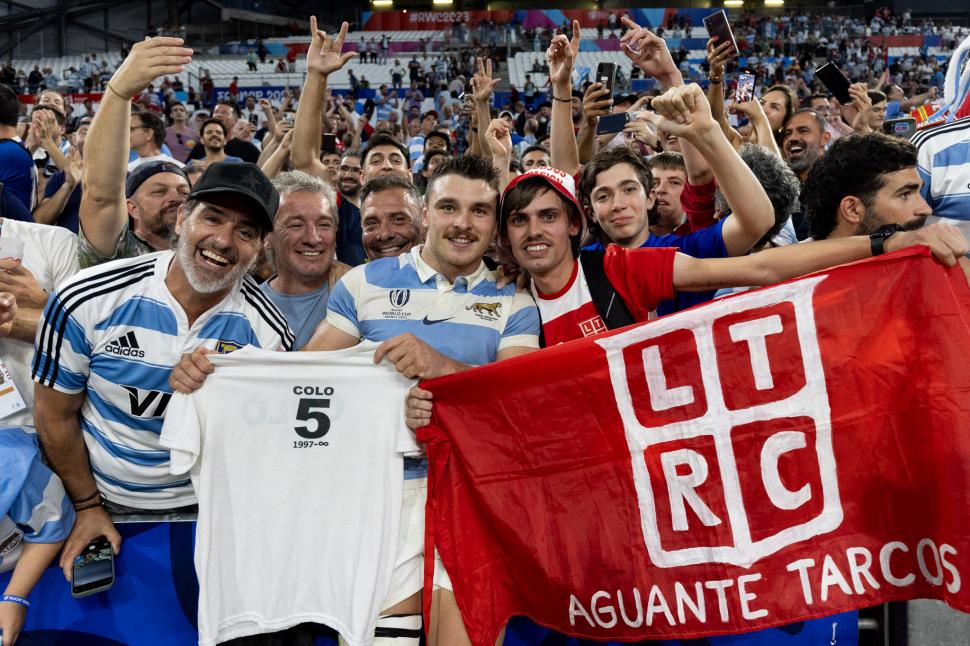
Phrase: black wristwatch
pixel 877 239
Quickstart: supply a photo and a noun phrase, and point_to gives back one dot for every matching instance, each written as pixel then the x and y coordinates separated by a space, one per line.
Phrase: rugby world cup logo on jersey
pixel 399 297
pixel 726 413
pixel 125 345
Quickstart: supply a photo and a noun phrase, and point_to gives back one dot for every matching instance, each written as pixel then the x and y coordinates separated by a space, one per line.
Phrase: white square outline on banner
pixel 811 401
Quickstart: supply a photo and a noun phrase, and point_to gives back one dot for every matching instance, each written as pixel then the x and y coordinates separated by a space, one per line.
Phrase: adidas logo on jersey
pixel 126 346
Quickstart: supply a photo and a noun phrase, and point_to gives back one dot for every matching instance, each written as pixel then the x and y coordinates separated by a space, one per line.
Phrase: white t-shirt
pixel 297 462
pixel 50 254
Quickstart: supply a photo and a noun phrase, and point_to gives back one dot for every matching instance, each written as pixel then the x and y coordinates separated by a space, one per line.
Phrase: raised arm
pixel 482 86
pixel 498 135
pixel 103 212
pixel 685 112
pixel 561 56
pixel 775 265
pixel 717 57
pixel 323 58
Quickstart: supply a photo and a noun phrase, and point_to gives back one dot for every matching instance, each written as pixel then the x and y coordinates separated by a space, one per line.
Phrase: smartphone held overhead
pixel 835 81
pixel 719 29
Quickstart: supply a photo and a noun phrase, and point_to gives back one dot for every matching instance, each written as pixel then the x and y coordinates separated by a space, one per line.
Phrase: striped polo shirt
pixel 114 332
pixel 943 162
pixel 469 320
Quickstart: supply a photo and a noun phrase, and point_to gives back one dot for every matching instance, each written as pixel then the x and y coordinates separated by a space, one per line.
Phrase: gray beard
pixel 806 161
pixel 196 277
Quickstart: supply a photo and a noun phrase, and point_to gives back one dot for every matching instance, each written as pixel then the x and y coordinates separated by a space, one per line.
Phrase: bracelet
pixel 12 598
pixel 556 98
pixel 115 92
pixel 90 505
pixel 91 497
pixel 715 81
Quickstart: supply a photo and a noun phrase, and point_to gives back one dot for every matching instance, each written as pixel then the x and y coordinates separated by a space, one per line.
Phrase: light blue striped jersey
pixel 943 162
pixel 34 507
pixel 469 321
pixel 114 332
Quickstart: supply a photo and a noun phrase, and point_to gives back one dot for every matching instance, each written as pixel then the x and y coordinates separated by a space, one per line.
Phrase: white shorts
pixel 408 575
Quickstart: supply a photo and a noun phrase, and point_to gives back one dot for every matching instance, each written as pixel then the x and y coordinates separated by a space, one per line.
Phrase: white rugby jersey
pixel 114 332
pixel 297 462
pixel 50 254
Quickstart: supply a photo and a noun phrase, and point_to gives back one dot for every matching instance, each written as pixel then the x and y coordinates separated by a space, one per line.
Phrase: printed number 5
pixel 306 413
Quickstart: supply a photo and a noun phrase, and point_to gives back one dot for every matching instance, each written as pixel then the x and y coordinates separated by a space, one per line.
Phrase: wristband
pixel 90 505
pixel 556 98
pixel 714 80
pixel 115 92
pixel 87 498
pixel 877 239
pixel 12 598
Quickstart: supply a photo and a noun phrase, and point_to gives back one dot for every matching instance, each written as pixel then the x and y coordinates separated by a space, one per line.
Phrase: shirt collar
pixel 426 272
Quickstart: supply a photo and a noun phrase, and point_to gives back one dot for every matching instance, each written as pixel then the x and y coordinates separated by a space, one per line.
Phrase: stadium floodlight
pixel 774 3
pixel 383 3
pixel 733 3
pixel 441 3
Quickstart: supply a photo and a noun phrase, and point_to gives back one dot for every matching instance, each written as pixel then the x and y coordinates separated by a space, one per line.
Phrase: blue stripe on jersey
pixel 136 486
pixel 525 321
pixel 957 206
pixel 142 312
pixel 231 327
pixel 386 273
pixel 66 379
pixel 487 289
pixel 144 458
pixel 112 413
pixel 474 344
pixel 74 334
pixel 342 303
pixel 955 155
pixel 127 371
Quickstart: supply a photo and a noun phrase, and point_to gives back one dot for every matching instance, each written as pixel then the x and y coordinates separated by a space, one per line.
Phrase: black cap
pixel 138 176
pixel 227 182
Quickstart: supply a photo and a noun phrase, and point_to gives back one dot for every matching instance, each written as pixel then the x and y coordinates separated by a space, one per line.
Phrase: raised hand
pixel 649 52
pixel 561 56
pixel 324 56
pixel 482 82
pixel 499 139
pixel 148 60
pixel 682 111
pixel 718 56
pixel 597 102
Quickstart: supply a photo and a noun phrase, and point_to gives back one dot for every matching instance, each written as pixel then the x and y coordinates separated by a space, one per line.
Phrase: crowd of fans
pixel 330 203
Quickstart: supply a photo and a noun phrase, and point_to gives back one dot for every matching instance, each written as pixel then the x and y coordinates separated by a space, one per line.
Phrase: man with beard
pixel 390 216
pixel 119 218
pixel 228 113
pixel 863 184
pixel 803 141
pixel 214 142
pixel 100 398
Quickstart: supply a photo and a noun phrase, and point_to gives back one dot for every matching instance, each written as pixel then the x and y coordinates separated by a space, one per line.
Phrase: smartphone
pixel 745 89
pixel 288 118
pixel 835 81
pixel 94 568
pixel 614 122
pixel 903 128
pixel 719 28
pixel 329 142
pixel 254 119
pixel 606 74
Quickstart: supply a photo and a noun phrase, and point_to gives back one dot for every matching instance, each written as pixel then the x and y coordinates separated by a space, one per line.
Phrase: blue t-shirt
pixel 16 171
pixel 303 312
pixel 69 216
pixel 706 243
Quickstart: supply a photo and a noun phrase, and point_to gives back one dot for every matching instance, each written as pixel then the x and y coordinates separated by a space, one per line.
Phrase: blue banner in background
pixel 154 602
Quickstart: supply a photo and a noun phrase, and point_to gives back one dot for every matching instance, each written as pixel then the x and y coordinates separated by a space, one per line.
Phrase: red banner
pixel 783 454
